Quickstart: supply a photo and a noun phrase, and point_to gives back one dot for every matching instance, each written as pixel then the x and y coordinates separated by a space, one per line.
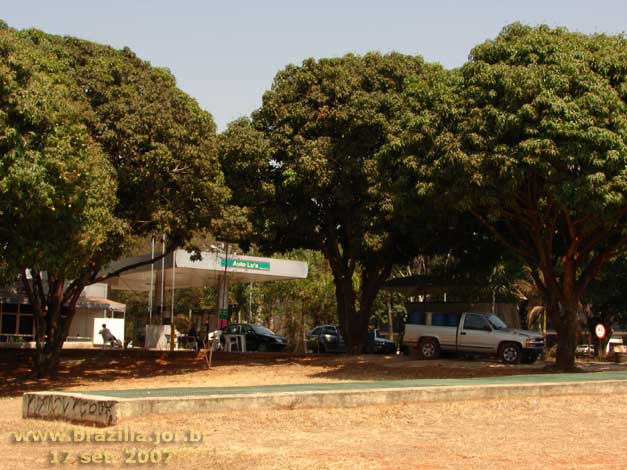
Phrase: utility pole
pixel 152 281
pixel 172 329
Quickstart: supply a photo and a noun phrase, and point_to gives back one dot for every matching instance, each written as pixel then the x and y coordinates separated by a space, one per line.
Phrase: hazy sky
pixel 225 54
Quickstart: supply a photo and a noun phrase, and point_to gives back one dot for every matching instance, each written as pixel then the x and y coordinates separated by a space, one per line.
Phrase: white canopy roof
pixel 204 272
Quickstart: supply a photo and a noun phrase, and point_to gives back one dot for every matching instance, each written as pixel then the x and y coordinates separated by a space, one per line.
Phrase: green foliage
pixel 161 144
pixel 182 323
pixel 332 125
pixel 87 129
pixel 327 143
pixel 98 148
pixel 244 155
pixel 537 148
pixel 550 105
pixel 311 299
pixel 57 188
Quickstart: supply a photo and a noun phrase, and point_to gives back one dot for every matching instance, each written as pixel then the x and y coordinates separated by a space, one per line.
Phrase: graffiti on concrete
pixel 68 407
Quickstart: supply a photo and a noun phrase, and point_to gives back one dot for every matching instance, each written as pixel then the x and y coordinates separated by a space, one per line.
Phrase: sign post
pixel 599 330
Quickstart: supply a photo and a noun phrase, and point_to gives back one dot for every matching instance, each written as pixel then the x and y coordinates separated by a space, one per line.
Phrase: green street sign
pixel 245 264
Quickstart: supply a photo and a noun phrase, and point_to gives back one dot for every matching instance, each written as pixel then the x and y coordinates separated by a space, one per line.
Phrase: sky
pixel 225 54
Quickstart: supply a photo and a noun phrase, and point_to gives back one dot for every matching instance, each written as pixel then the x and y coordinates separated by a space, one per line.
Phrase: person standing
pixel 193 336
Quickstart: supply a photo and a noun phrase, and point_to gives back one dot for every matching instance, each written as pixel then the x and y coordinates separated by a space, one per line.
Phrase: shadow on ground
pixel 80 367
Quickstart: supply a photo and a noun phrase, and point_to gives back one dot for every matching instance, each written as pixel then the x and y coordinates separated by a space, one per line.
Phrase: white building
pixel 92 310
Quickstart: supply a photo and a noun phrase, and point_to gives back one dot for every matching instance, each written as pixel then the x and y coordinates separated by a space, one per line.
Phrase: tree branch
pixel 39 287
pixel 597 263
pixel 523 252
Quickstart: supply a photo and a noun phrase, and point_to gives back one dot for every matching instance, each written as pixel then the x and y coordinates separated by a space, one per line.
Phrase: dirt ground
pixel 579 431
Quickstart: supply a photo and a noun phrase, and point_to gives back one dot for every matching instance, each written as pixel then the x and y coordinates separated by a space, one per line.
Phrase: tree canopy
pixel 326 144
pixel 97 147
pixel 370 159
pixel 537 151
pixel 57 187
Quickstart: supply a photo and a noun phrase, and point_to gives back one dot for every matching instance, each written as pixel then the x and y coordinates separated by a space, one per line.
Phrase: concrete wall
pixel 116 325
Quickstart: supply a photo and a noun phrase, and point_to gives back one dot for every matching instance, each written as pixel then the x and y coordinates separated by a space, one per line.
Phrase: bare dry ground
pixel 578 431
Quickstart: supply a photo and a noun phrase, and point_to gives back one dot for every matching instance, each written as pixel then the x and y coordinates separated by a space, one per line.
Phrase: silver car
pixel 325 338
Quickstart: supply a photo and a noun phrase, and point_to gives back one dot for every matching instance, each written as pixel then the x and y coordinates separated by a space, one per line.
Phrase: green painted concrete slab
pixel 383 384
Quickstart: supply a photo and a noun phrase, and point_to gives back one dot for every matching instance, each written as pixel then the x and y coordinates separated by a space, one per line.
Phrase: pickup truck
pixel 468 332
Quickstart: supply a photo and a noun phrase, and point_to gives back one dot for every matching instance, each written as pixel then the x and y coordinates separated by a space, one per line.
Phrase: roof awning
pixel 182 270
pixel 100 302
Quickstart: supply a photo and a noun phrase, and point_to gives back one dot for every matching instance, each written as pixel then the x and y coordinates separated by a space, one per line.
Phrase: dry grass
pixel 551 432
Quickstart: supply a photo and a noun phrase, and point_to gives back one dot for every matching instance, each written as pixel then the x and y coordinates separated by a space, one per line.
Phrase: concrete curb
pixel 73 407
pixel 101 410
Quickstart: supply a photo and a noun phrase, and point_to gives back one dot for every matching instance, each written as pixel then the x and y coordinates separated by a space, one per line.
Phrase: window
pixel 26 308
pixel 316 331
pixel 9 308
pixel 262 330
pixel 416 318
pixel 476 322
pixel 497 323
pixel 329 330
pixel 9 324
pixel 26 325
pixel 232 330
pixel 445 319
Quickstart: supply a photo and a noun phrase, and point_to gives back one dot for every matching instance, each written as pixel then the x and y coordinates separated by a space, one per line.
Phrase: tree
pixel 98 148
pixel 57 187
pixel 538 153
pixel 326 143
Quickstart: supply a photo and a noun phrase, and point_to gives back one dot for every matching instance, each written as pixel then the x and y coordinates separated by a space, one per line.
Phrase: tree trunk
pixel 561 304
pixel 353 322
pixel 48 353
pixel 47 361
pixel 357 324
pixel 390 317
pixel 347 312
pixel 52 314
pixel 565 323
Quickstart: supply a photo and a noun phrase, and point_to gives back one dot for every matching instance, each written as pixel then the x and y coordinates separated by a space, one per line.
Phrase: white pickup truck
pixel 468 332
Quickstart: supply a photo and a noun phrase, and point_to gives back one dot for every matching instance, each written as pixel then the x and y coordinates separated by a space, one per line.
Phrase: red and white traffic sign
pixel 600 331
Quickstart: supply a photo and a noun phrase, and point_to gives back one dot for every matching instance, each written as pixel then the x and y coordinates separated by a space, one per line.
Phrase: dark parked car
pixel 378 344
pixel 325 338
pixel 258 338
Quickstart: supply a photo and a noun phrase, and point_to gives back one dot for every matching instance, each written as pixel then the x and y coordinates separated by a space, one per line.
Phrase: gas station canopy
pixel 180 271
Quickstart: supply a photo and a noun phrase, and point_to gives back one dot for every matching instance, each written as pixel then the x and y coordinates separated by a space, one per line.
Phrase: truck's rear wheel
pixel 428 348
pixel 510 353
